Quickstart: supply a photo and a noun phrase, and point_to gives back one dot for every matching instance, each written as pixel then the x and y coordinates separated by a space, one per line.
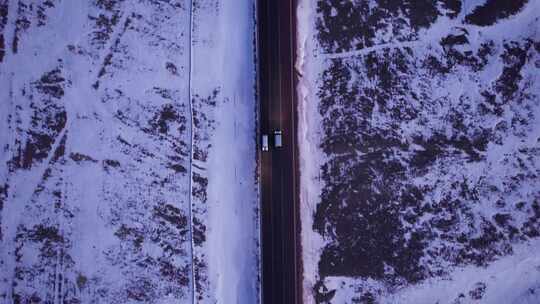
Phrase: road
pixel 279 198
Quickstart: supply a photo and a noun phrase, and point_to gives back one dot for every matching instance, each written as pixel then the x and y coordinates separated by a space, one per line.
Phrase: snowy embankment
pixel 96 140
pixel 307 65
pixel 225 195
pixel 418 134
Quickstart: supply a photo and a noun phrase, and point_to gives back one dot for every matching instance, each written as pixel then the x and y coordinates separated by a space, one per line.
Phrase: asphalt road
pixel 280 238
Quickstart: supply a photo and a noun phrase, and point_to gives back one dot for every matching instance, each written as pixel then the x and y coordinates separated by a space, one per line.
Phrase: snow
pixel 112 195
pixel 511 279
pixel 310 187
pixel 223 60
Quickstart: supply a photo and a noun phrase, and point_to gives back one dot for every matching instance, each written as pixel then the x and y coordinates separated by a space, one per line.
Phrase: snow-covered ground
pixel 122 123
pixel 309 132
pixel 419 151
pixel 224 105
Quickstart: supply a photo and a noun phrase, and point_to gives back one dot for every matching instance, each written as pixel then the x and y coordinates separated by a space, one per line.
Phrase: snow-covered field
pixel 419 137
pixel 127 152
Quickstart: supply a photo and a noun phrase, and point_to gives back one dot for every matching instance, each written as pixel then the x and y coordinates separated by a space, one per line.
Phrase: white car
pixel 278 143
pixel 264 142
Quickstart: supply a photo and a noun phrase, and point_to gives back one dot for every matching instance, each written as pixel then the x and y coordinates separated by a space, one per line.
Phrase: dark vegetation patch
pixel 174 273
pixel 167 227
pixel 3 196
pixel 114 49
pixel 200 276
pixel 455 39
pixel 366 298
pixel 172 216
pixel 439 145
pixel 22 23
pixel 353 25
pixel 478 291
pixel 178 168
pixel 171 67
pixel 3 21
pixel 531 228
pixel 166 117
pixel 131 234
pixel 103 27
pixel 141 289
pixel 108 5
pixel 48 119
pixel 79 157
pixel 322 294
pixel 203 123
pixel 200 187
pixel 199 232
pixel 109 164
pixel 170 229
pixel 493 11
pixel 39 250
pixel 37 148
pixel 26 13
pixel 41 233
pixel 41 11
pixel 105 21
pixel 167 123
pixel 514 58
pixel 453 7
pixel 458 53
pixel 2 47
pixel 3 14
pixel 502 219
pixel 81 281
pixel 51 84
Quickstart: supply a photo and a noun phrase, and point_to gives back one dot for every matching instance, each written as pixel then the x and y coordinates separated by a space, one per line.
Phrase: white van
pixel 278 143
pixel 264 142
